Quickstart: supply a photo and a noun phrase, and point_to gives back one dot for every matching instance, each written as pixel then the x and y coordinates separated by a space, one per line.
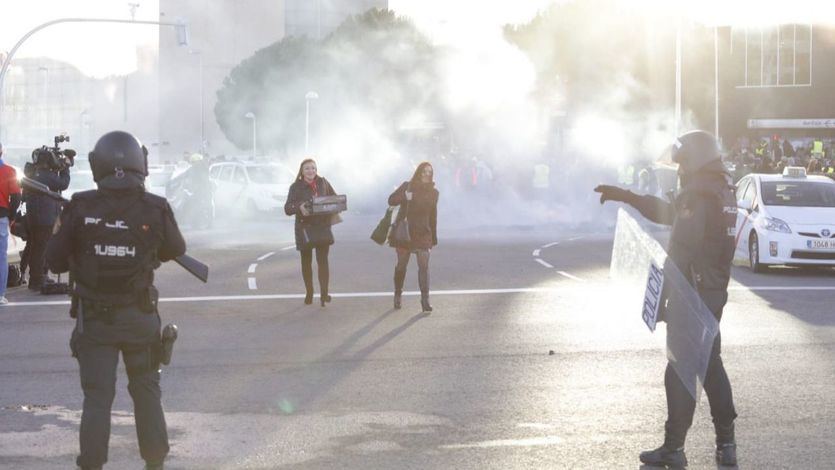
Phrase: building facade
pixel 45 97
pixel 777 82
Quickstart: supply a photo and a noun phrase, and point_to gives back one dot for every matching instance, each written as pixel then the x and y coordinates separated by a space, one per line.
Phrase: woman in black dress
pixel 312 231
pixel 418 201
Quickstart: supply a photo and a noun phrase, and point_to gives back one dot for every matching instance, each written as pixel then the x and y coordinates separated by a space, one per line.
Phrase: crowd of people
pixel 775 154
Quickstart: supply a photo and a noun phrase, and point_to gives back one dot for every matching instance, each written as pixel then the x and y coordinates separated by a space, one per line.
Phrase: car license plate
pixel 820 244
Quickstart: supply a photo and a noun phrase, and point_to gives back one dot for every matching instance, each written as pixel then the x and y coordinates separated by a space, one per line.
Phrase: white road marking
pixel 535 426
pixel 549 245
pixel 768 288
pixel 544 263
pixel 252 267
pixel 536 253
pixel 252 284
pixel 288 247
pixel 570 276
pixel 263 257
pixel 520 290
pixel 526 442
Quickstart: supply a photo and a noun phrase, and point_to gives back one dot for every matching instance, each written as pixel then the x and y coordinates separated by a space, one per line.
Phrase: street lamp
pixel 251 115
pixel 310 95
pixel 199 54
pixel 45 70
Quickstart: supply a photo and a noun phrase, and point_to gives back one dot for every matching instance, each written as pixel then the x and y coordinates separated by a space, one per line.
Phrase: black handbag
pixel 381 231
pixel 399 235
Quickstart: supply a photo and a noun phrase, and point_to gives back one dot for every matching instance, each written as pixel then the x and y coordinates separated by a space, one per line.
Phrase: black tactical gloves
pixel 613 193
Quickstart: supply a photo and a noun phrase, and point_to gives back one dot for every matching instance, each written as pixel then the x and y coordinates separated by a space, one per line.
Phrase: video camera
pixel 54 158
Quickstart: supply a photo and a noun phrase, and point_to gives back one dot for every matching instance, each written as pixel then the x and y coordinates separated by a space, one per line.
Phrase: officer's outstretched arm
pixel 651 207
pixel 59 246
pixel 654 209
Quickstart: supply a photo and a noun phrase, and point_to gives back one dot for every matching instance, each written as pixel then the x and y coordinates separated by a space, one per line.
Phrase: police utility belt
pixel 103 307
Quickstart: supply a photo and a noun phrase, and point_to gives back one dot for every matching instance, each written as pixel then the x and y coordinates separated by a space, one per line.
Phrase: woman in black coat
pixel 312 231
pixel 418 201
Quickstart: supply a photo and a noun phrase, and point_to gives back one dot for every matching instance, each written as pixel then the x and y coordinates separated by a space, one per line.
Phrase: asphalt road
pixel 260 380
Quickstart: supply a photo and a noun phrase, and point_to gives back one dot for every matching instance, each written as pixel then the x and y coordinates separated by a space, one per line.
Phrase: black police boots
pixel 665 457
pixel 726 454
pixel 725 444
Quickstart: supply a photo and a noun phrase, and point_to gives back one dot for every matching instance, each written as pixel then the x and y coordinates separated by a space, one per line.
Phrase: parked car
pixel 158 177
pixel 786 219
pixel 253 186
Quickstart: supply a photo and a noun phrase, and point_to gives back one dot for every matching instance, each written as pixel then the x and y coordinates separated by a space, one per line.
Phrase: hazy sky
pixel 109 49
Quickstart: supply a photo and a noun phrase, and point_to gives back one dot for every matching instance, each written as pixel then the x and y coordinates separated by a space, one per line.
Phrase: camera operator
pixel 49 166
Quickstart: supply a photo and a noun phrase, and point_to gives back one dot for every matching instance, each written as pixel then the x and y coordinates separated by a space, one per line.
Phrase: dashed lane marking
pixel 544 263
pixel 570 276
pixel 263 257
pixel 549 245
pixel 251 282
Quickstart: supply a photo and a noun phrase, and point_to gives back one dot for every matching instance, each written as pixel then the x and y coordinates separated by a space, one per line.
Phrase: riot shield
pixel 663 293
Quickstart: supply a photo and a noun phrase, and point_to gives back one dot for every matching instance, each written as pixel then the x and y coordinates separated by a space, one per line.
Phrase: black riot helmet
pixel 119 161
pixel 694 150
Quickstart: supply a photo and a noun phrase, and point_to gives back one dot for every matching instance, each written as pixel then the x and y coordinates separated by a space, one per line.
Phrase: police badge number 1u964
pixel 652 296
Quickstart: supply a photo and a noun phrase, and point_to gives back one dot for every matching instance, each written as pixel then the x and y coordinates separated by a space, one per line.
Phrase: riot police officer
pixel 703 219
pixel 111 240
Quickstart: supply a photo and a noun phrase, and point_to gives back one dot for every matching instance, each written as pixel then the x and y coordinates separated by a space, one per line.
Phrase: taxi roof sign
pixel 794 172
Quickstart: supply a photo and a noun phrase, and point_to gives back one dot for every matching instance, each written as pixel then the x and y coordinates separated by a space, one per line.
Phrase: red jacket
pixel 9 191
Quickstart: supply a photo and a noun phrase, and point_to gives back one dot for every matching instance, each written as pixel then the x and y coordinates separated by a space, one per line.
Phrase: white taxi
pixel 785 219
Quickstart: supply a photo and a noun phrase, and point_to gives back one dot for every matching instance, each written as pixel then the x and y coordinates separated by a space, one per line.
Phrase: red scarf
pixel 312 185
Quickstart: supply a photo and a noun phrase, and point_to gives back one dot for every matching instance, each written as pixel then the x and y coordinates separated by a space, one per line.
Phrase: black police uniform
pixel 111 241
pixel 703 219
pixel 702 240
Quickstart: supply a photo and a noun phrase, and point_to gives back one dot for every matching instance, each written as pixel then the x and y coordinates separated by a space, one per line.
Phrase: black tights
pixel 321 263
pixel 403 256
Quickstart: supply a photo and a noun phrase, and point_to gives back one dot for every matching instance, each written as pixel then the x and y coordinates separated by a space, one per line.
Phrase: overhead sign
pixel 791 123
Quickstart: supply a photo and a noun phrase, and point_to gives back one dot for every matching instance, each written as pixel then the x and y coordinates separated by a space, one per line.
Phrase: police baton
pixel 193 266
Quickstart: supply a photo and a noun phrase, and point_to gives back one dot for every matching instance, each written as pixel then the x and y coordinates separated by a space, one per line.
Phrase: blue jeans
pixel 4 258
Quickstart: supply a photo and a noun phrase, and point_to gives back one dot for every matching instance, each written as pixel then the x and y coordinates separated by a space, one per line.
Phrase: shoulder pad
pixel 158 201
pixel 85 195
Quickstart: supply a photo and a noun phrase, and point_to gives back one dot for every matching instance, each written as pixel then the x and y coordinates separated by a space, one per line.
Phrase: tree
pixel 375 65
pixel 594 51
